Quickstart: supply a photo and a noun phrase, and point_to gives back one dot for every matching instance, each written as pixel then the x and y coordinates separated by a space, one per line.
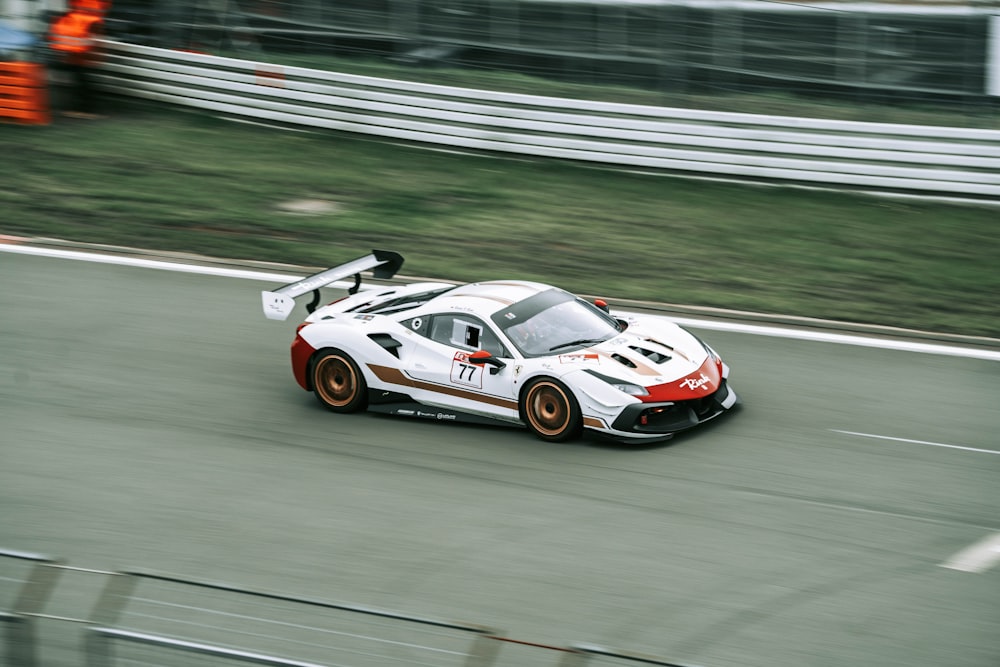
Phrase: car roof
pixel 488 297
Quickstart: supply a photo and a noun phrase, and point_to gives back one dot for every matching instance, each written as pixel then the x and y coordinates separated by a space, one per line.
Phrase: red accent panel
pixel 301 352
pixel 702 382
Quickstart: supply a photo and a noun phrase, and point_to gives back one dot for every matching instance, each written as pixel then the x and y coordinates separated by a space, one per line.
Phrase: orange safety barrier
pixel 24 96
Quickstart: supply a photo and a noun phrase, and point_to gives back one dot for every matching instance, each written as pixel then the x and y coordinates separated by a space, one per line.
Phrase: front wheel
pixel 338 383
pixel 550 411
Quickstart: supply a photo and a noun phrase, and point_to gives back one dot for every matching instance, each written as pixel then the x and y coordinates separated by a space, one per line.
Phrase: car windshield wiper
pixel 582 341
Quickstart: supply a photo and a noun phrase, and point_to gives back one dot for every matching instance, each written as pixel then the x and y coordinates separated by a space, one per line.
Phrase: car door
pixel 445 372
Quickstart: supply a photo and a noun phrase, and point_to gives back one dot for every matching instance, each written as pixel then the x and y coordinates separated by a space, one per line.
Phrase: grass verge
pixel 165 180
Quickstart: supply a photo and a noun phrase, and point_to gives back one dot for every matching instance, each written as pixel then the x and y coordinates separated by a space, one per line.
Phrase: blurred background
pixel 940 53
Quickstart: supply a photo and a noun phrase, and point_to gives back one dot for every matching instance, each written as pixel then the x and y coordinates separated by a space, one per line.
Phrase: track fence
pixel 869 51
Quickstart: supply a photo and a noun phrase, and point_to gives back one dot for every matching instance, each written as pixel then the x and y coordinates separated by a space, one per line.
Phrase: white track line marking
pixel 843 339
pixel 916 442
pixel 977 557
pixel 146 263
pixel 753 329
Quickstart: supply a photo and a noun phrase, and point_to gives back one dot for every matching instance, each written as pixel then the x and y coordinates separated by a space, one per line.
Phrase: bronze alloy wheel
pixel 550 411
pixel 338 383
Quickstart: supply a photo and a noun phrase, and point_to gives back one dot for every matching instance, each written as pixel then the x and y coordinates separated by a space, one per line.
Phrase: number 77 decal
pixel 465 371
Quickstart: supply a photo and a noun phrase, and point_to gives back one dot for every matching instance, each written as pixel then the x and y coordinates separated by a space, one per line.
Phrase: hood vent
pixel 655 357
pixel 623 360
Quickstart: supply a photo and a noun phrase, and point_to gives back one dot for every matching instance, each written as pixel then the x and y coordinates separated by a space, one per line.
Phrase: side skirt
pixel 394 403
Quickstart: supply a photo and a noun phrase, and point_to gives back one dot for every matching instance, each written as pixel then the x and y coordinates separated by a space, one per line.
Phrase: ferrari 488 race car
pixel 509 351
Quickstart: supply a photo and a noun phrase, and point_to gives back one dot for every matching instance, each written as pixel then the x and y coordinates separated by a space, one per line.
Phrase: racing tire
pixel 550 411
pixel 338 382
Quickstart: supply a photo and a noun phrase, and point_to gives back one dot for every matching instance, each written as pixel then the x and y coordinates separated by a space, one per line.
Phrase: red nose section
pixel 702 382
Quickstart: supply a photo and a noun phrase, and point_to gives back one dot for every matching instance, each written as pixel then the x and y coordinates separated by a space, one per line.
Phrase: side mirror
pixel 483 357
pixel 602 304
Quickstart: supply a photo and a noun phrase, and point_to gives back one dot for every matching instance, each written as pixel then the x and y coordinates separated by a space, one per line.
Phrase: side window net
pixel 456 332
pixel 466 334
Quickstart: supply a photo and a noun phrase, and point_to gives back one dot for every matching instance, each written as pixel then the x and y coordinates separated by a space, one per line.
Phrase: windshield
pixel 553 322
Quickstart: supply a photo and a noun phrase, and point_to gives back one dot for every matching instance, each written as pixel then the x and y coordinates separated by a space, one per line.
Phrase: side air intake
pixel 388 343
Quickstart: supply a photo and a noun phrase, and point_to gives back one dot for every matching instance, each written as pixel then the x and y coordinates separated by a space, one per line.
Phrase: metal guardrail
pixel 584 653
pixel 102 635
pixel 180 617
pixel 945 160
pixel 19 621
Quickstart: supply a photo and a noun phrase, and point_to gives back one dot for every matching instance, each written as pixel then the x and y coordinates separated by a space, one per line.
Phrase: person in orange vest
pixel 73 37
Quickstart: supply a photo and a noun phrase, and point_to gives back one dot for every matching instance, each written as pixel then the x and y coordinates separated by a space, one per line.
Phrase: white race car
pixel 509 351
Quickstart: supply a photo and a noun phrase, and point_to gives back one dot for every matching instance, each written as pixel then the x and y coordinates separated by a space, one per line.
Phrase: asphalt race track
pixel 148 419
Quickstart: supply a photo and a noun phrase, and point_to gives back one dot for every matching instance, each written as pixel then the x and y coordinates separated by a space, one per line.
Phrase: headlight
pixel 629 388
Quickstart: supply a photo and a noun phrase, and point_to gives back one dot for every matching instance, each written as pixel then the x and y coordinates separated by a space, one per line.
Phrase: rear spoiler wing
pixel 279 303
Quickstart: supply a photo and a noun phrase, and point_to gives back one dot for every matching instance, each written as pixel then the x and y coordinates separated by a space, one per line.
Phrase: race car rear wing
pixel 279 303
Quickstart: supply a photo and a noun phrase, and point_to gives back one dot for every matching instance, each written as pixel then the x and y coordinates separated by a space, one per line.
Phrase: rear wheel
pixel 338 383
pixel 550 411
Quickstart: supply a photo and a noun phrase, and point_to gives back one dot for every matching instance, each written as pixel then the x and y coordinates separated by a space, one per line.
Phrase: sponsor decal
pixel 436 415
pixel 579 358
pixel 405 412
pixel 364 318
pixel 693 383
pixel 416 323
pixel 275 306
pixel 306 285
